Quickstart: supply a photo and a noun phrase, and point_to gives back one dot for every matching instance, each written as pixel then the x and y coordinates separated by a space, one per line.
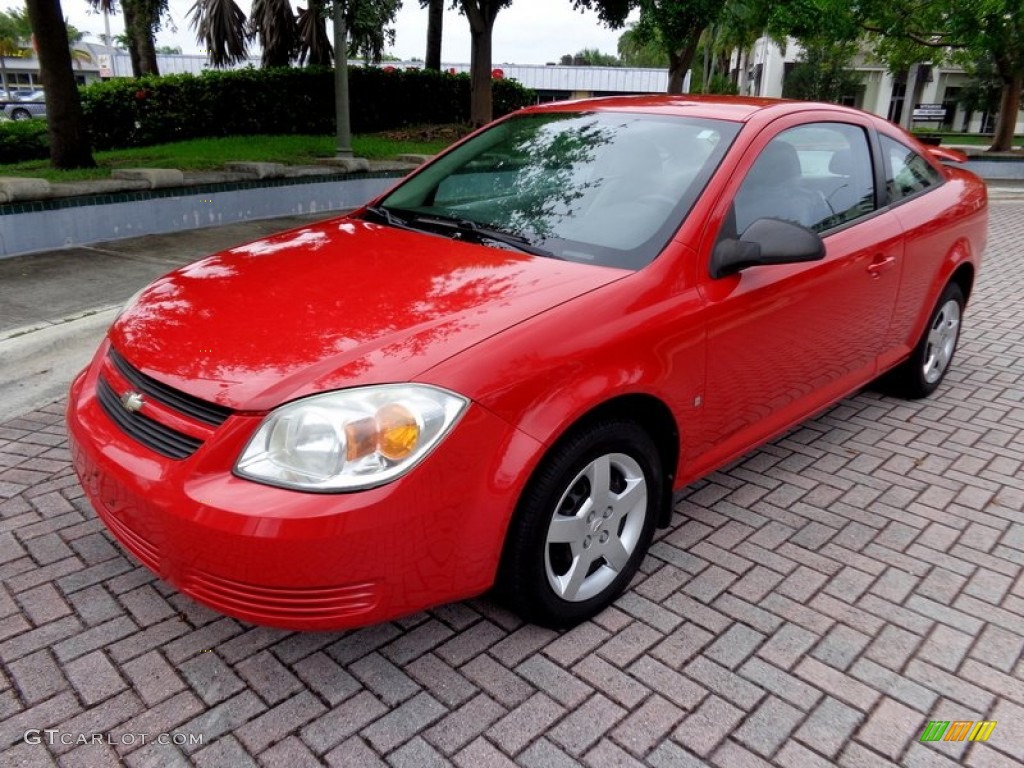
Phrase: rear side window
pixel 906 172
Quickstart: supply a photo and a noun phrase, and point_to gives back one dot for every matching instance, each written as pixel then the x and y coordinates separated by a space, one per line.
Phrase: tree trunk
pixel 1009 107
pixel 435 29
pixel 69 140
pixel 481 109
pixel 145 20
pixel 481 15
pixel 679 61
pixel 128 9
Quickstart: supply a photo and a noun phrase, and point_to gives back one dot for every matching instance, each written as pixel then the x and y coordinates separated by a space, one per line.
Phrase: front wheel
pixel 920 374
pixel 21 114
pixel 583 525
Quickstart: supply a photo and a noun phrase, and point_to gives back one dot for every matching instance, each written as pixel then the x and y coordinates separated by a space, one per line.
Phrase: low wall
pixel 58 223
pixel 997 168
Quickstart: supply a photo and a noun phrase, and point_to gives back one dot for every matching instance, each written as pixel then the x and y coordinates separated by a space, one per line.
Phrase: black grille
pixel 200 410
pixel 152 434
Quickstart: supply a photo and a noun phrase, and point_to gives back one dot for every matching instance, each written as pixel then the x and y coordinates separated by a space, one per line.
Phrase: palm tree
pixel 75 36
pixel 220 26
pixel 314 46
pixel 15 31
pixel 273 23
pixel 141 20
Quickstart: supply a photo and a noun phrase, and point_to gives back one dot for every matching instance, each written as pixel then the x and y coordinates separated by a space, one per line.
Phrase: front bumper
pixel 303 560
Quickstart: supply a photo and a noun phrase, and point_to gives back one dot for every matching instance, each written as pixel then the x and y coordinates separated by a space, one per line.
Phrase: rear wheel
pixel 583 525
pixel 920 374
pixel 21 114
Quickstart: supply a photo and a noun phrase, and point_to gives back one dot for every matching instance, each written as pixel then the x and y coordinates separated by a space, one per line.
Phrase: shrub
pixel 156 110
pixel 23 140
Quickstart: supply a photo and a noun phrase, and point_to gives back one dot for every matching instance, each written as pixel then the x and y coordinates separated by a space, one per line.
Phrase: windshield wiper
pixel 484 232
pixel 389 218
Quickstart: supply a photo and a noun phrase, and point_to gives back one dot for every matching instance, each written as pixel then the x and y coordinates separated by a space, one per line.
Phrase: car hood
pixel 338 304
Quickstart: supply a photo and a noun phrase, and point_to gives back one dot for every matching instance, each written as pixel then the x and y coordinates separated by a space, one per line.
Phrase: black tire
pixel 922 373
pixel 603 546
pixel 21 114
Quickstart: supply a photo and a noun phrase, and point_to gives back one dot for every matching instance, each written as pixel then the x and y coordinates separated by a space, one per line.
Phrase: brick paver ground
pixel 816 603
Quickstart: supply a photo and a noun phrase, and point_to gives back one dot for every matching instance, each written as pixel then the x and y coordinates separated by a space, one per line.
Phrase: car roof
pixel 735 108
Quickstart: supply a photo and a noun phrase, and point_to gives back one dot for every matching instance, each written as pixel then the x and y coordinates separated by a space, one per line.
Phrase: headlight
pixel 350 439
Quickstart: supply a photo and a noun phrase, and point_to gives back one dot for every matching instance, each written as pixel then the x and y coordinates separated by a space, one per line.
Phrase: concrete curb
pixel 157 178
pixel 15 189
pixel 40 362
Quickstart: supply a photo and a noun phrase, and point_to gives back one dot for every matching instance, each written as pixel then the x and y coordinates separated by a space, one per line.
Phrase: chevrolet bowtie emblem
pixel 132 401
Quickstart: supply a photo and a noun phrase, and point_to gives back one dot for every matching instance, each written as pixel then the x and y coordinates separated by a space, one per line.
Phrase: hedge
pixel 151 110
pixel 23 140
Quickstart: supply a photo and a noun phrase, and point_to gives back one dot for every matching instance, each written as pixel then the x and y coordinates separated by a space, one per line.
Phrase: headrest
pixel 777 164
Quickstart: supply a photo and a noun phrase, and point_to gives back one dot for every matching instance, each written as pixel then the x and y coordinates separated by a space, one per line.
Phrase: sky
pixel 527 32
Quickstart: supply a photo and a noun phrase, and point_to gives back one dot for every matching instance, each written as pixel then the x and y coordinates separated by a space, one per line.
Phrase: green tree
pixel 591 57
pixel 69 139
pixel 823 72
pixel 984 90
pixel 937 31
pixel 677 25
pixel 636 53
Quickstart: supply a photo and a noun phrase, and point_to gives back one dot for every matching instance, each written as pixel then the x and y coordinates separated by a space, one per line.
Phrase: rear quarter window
pixel 907 173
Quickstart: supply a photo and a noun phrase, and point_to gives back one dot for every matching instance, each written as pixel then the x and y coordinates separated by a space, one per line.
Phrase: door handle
pixel 879 264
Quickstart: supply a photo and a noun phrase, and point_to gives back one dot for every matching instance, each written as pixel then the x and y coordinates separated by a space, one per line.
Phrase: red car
pixel 498 373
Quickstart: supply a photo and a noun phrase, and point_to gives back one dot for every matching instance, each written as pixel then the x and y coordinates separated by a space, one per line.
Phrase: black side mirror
pixel 766 241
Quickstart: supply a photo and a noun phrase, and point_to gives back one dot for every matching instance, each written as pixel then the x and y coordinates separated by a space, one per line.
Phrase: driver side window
pixel 818 175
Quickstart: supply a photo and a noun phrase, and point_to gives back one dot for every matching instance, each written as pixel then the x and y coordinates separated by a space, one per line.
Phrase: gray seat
pixel 773 189
pixel 851 188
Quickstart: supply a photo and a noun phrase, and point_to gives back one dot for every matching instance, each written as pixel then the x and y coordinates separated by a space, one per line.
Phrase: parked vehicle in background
pixel 23 105
pixel 497 373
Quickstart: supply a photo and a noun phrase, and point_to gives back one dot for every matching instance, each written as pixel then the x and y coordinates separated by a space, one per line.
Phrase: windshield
pixel 603 188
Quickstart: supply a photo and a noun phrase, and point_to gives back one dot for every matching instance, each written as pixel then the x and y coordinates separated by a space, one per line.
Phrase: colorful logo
pixel 958 730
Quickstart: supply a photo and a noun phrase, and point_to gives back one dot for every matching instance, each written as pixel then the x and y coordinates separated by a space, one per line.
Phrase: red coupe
pixel 497 374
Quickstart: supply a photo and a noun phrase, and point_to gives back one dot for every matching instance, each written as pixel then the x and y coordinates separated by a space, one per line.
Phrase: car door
pixel 786 340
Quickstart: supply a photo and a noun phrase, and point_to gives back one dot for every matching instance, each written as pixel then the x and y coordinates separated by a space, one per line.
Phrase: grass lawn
pixel 211 154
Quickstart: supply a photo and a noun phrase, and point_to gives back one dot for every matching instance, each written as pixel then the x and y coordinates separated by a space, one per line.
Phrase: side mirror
pixel 765 242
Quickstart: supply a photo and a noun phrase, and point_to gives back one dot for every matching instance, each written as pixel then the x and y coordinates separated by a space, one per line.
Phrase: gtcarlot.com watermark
pixel 53 737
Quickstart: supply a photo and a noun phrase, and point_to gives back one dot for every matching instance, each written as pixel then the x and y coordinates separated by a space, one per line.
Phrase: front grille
pixel 152 434
pixel 186 404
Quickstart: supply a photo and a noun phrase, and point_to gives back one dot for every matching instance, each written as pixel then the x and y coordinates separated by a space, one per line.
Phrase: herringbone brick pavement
pixel 816 603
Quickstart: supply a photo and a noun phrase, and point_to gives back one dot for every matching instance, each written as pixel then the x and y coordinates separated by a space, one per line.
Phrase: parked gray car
pixel 24 106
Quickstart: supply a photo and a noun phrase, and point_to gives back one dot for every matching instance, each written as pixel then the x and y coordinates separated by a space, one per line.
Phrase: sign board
pixel 105 69
pixel 930 113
